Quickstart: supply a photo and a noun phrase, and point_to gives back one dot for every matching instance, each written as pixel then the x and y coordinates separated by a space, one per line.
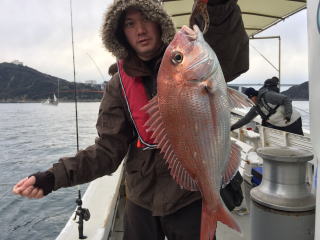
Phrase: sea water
pixel 33 137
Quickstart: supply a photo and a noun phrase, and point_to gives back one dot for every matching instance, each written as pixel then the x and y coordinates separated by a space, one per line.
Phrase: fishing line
pixel 5 193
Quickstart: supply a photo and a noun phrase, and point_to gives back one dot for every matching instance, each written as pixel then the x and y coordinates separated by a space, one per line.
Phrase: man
pixel 137 33
pixel 274 108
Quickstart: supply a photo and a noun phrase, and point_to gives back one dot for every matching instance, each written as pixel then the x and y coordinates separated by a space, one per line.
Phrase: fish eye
pixel 177 57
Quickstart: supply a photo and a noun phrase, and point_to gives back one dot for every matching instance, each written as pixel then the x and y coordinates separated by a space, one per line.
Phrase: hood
pixel 153 11
pixel 262 91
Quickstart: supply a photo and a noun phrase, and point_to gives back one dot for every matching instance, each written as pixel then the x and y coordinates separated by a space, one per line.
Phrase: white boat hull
pixel 100 198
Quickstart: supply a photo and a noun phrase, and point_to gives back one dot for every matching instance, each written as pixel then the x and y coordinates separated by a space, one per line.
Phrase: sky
pixel 294 53
pixel 37 33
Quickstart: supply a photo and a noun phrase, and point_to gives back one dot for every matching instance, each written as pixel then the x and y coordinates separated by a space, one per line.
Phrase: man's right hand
pixel 26 188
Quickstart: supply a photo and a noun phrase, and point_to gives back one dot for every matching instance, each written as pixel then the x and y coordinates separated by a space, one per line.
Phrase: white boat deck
pixel 104 196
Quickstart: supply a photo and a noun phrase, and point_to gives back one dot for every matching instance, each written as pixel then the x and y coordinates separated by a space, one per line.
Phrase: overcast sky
pixel 294 52
pixel 37 33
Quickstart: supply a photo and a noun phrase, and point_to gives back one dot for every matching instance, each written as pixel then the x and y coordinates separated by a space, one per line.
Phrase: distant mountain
pixel 20 83
pixel 298 92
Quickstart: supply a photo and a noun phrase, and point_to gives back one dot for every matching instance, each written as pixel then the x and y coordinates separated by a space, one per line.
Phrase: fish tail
pixel 226 218
pixel 209 221
pixel 208 224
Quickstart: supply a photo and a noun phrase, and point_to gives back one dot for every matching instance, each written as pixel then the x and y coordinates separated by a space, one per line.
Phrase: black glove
pixel 45 181
pixel 232 128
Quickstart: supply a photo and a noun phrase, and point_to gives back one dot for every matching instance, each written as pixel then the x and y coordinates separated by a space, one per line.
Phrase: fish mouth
pixel 191 34
pixel 204 61
pixel 202 65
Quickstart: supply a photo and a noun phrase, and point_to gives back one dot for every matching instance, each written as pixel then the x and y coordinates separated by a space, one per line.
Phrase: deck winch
pixel 283 206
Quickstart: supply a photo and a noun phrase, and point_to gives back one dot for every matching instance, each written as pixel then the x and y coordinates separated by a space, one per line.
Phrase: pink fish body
pixel 190 120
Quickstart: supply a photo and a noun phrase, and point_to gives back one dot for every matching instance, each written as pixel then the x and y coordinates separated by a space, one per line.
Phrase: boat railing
pixel 258 136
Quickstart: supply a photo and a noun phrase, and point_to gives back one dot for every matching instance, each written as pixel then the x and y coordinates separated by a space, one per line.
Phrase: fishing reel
pixel 83 214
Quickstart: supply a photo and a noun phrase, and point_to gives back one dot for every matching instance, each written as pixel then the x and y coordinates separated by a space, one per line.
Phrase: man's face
pixel 142 34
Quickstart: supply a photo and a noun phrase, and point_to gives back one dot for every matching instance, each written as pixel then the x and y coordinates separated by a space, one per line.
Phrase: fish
pixel 190 123
pixel 199 9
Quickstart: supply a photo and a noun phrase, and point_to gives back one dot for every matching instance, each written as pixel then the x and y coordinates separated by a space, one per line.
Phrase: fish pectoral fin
pixel 238 99
pixel 232 164
pixel 155 124
pixel 208 85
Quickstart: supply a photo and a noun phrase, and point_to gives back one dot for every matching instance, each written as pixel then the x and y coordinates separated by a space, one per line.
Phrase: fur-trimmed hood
pixel 151 8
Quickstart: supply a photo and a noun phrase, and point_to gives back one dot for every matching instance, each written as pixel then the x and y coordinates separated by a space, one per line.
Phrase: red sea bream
pixel 190 120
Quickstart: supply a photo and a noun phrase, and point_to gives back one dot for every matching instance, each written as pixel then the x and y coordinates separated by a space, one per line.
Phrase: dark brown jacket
pixel 148 181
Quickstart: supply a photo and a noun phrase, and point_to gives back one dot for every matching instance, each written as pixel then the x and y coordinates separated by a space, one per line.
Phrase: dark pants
pixel 139 224
pixel 295 127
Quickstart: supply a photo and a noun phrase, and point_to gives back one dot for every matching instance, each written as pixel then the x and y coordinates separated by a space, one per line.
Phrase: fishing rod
pixel 82 213
pixel 74 77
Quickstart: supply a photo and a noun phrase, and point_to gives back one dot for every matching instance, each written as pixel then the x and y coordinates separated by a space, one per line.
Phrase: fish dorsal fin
pixel 156 125
pixel 233 164
pixel 238 99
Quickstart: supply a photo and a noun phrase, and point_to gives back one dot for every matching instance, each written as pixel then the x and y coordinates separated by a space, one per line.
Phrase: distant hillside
pixel 299 92
pixel 20 83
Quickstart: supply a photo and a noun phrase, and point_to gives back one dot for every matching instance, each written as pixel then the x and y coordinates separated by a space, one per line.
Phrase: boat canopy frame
pixel 257 15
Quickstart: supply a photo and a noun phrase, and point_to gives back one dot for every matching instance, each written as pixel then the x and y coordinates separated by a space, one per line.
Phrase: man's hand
pixel 25 188
pixel 287 119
